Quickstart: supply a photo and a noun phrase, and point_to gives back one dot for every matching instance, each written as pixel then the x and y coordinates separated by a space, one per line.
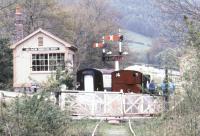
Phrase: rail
pixel 130 127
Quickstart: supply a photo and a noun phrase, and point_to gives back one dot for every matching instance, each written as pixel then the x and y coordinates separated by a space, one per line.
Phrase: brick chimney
pixel 19 34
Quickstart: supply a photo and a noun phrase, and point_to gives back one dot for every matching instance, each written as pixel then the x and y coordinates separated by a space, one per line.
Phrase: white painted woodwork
pixel 88 83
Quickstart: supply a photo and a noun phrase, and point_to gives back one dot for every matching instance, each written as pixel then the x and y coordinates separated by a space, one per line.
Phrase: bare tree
pixel 92 20
pixel 172 19
pixel 36 14
pixel 4 4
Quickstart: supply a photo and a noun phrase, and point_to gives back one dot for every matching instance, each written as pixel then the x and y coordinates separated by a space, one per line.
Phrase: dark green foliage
pixel 65 77
pixel 57 79
pixel 68 81
pixel 5 64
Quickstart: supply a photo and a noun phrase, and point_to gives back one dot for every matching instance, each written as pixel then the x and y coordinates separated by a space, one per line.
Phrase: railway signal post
pixel 108 56
pixel 120 52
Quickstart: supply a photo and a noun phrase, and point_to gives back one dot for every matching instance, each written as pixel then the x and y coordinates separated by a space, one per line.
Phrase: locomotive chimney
pixel 19 34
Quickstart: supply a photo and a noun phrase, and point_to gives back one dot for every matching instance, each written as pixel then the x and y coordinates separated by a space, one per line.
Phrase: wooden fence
pixel 111 104
pixel 103 104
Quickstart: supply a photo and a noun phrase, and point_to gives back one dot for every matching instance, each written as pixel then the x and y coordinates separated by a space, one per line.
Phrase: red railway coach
pixel 127 81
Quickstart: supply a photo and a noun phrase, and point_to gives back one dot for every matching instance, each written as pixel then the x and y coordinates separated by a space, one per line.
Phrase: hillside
pixel 140 16
pixel 137 46
pixel 137 42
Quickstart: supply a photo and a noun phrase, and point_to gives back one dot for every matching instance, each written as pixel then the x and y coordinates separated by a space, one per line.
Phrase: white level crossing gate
pixel 111 104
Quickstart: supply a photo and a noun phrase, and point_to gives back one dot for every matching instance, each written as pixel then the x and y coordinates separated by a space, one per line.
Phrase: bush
pixel 35 116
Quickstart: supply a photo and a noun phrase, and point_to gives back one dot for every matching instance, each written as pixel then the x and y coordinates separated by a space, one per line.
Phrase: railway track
pixel 130 127
pixel 114 129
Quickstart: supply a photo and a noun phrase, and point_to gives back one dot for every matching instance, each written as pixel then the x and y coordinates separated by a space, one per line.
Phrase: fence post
pixel 142 104
pixel 122 103
pixel 93 103
pixel 62 100
pixel 104 103
pixel 166 94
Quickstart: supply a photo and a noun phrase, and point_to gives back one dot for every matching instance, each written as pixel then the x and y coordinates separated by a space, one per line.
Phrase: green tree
pixel 5 64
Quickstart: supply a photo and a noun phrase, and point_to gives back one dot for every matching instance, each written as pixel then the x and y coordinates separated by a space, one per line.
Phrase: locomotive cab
pixel 127 81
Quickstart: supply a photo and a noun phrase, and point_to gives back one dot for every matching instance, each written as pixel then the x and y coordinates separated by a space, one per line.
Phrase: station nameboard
pixel 41 49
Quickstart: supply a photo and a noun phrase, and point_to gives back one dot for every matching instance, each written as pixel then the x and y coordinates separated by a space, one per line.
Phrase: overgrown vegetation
pixel 38 115
pixel 183 119
pixel 59 78
pixel 33 115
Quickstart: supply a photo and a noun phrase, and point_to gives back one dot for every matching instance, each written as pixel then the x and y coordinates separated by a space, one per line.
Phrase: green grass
pixel 145 127
pixel 82 127
pixel 161 126
pixel 106 129
pixel 86 127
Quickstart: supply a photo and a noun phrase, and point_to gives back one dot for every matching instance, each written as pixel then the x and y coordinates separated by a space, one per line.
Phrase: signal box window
pixel 56 60
pixel 48 62
pixel 40 41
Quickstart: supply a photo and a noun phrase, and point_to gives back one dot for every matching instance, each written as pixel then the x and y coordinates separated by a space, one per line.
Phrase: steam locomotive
pixel 91 79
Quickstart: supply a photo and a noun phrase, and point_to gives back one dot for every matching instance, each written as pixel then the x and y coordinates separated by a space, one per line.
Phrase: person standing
pixel 171 87
pixel 164 87
pixel 152 87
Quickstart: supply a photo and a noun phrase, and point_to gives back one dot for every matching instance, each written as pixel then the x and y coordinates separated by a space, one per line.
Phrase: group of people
pixel 166 87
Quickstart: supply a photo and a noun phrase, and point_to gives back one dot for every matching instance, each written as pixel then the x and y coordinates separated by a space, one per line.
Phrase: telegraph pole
pixel 166 94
